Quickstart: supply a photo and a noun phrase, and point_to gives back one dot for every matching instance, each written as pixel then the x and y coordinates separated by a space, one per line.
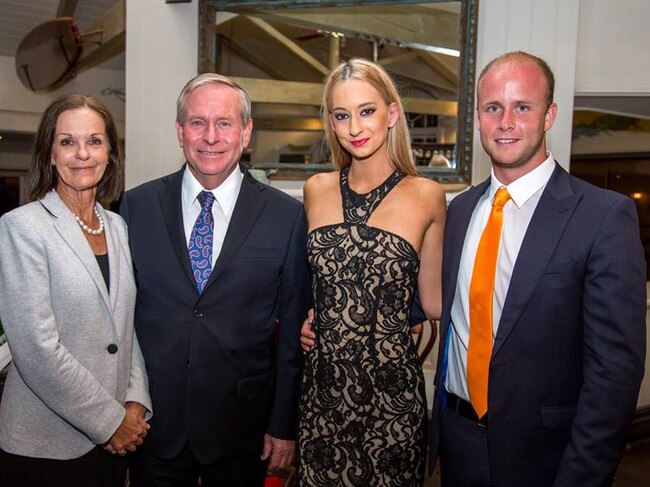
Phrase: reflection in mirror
pixel 280 52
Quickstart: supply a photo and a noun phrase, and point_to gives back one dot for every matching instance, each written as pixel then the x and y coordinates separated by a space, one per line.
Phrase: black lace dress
pixel 363 406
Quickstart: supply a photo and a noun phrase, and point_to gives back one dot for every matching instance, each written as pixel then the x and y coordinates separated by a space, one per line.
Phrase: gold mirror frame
pixel 467 70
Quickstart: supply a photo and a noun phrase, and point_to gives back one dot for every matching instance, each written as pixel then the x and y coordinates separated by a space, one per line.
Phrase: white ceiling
pixel 19 17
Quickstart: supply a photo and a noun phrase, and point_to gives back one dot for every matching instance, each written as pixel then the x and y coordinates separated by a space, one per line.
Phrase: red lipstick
pixel 359 143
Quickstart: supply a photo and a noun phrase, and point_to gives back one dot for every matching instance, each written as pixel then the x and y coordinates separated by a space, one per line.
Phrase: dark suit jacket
pixel 568 357
pixel 221 371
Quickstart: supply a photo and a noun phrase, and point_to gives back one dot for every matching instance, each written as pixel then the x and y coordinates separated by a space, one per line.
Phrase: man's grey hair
pixel 210 79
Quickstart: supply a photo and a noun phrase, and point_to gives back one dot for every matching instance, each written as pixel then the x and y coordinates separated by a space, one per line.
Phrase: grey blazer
pixel 66 388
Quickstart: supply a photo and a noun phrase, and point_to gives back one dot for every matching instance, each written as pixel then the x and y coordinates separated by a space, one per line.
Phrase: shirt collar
pixel 523 188
pixel 225 194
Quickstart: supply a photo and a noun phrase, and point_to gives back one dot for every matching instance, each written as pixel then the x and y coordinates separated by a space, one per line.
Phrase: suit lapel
pixel 547 225
pixel 455 234
pixel 66 225
pixel 250 202
pixel 172 212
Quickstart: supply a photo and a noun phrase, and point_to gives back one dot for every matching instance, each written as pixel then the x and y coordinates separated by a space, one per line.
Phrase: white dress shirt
pixel 225 198
pixel 525 193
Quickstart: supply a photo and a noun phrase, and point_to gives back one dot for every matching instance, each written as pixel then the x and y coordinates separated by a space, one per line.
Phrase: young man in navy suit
pixel 551 400
pixel 223 286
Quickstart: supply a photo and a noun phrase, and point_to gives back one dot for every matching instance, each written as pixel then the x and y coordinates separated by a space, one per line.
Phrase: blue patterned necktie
pixel 200 246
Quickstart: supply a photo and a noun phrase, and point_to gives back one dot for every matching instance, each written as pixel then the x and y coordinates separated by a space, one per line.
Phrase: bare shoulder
pixel 425 189
pixel 321 182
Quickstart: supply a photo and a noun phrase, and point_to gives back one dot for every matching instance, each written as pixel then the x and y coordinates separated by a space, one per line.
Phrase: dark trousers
pixel 463 452
pixel 184 470
pixel 96 468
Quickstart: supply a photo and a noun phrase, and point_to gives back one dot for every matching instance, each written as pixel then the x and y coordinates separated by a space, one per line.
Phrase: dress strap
pixel 357 208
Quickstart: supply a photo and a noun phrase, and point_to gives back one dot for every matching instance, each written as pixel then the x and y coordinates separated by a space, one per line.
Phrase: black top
pixel 102 261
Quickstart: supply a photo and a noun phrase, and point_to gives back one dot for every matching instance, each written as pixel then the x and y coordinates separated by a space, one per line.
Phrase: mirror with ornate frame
pixel 281 51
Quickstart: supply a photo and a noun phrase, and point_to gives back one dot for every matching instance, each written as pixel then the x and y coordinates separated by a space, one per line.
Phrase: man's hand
pixel 280 453
pixel 416 329
pixel 307 335
pixel 130 433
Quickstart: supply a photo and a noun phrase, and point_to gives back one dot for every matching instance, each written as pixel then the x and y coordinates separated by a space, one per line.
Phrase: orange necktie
pixel 481 296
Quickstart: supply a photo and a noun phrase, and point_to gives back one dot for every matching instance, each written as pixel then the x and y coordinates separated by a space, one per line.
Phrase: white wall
pixel 17 161
pixel 644 394
pixel 161 56
pixel 612 142
pixel 613 43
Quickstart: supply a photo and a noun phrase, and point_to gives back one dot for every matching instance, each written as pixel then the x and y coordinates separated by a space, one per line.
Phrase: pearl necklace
pixel 89 230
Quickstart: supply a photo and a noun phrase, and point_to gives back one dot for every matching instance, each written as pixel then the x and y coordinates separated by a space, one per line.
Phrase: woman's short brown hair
pixel 42 174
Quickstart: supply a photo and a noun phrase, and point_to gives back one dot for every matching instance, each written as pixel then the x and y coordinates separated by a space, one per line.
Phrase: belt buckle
pixel 465 409
pixel 481 422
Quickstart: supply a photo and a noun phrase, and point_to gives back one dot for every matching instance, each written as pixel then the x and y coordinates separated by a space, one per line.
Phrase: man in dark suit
pixel 223 286
pixel 546 399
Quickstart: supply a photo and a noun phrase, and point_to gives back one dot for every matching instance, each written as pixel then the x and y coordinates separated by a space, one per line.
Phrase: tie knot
pixel 501 198
pixel 206 198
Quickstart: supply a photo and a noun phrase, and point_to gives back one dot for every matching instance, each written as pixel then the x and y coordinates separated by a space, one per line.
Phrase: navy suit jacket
pixel 568 357
pixel 225 366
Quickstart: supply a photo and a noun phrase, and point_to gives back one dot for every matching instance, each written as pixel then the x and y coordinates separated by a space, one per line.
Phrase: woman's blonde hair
pixel 399 140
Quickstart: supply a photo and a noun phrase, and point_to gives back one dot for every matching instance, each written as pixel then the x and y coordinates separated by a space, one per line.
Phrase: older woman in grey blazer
pixel 77 388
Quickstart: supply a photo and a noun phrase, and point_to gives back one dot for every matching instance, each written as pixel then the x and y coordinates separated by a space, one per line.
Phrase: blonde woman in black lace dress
pixel 375 233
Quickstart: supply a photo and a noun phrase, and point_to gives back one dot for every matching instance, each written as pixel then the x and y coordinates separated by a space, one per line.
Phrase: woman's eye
pixel 367 111
pixel 340 116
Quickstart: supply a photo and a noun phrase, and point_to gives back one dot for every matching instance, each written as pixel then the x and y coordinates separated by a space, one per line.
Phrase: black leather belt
pixel 464 409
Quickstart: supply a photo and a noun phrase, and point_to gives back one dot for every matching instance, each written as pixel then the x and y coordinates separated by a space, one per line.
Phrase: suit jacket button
pixel 112 348
pixel 198 313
